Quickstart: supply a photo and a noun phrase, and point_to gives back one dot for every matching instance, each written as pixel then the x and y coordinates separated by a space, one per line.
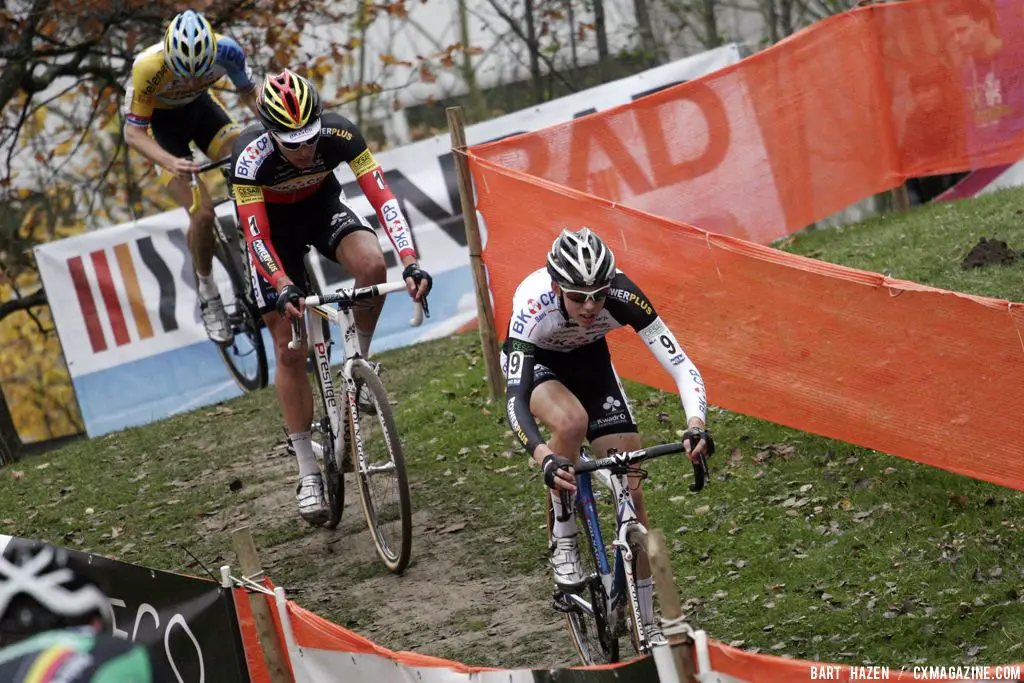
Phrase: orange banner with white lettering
pixel 847 108
pixel 922 373
pixel 760 149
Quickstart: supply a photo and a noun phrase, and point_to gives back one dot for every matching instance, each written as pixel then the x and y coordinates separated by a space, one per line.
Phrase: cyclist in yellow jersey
pixel 168 105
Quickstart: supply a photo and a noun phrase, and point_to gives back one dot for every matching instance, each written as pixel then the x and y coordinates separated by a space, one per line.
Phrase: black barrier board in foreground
pixel 189 622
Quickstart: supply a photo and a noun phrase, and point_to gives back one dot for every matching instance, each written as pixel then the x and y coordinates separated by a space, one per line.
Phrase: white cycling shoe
pixel 309 493
pixel 564 557
pixel 215 320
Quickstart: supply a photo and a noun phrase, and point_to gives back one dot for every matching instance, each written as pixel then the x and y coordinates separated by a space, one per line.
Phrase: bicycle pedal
pixel 560 603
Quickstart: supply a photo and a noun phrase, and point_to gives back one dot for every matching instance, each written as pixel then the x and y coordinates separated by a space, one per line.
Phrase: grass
pixel 800 546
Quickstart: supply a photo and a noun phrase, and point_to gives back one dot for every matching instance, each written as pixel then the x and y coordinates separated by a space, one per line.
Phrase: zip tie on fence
pixel 677 626
pixel 247 582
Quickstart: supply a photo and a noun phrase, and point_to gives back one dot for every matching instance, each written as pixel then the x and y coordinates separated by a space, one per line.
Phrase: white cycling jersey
pixel 539 321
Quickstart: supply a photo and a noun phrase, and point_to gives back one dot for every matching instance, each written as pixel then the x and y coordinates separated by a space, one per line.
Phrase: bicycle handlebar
pixel 625 460
pixel 346 298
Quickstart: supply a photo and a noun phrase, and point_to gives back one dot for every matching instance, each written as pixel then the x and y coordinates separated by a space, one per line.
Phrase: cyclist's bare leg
pixel 291 383
pixel 562 413
pixel 565 417
pixel 200 223
pixel 360 253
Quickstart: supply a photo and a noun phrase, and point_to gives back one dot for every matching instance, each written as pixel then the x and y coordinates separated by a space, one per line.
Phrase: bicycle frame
pixel 345 319
pixel 619 580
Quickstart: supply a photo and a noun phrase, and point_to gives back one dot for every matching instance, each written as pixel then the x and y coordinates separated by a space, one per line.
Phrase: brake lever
pixel 566 498
pixel 700 473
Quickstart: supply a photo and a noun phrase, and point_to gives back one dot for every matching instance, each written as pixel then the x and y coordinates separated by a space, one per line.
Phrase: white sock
pixel 645 594
pixel 562 529
pixel 304 453
pixel 207 286
pixel 364 342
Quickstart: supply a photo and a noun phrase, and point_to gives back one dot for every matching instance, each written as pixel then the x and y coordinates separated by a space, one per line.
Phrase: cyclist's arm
pixel 371 180
pixel 139 100
pixel 670 354
pixel 255 224
pixel 232 57
pixel 518 387
pixel 632 307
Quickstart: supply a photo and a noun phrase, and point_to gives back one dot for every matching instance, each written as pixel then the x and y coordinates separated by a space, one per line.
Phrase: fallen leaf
pixel 43 466
pixel 806 487
pixel 440 457
pixel 8 521
pixel 451 529
pixel 702 510
pixel 889 470
pixel 664 417
pixel 116 531
pixel 736 457
pixel 89 511
pixel 502 539
pixel 17 474
pixel 846 504
pixel 959 500
pixel 464 450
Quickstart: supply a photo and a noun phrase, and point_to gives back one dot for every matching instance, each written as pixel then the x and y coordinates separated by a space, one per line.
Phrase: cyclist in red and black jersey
pixel 288 199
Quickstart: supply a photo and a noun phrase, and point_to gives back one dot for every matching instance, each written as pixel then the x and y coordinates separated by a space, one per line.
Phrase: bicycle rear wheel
pixel 246 356
pixel 380 470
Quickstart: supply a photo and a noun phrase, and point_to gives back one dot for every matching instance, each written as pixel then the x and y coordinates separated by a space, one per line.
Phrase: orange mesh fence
pixel 847 108
pixel 853 355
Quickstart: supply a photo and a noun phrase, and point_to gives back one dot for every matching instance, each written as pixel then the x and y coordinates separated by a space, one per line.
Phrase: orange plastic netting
pixel 760 149
pixel 845 109
pixel 848 354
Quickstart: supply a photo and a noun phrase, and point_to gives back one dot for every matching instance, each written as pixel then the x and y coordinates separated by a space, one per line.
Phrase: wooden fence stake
pixel 249 561
pixel 484 311
pixel 682 646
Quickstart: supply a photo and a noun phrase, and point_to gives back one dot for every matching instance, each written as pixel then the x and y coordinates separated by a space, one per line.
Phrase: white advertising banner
pixel 124 303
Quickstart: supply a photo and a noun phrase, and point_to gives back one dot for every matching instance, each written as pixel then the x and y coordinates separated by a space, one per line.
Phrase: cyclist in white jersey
pixel 559 371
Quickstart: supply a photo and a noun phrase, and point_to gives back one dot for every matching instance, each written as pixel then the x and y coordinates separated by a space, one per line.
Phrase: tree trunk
pixel 771 20
pixel 477 107
pixel 711 38
pixel 649 42
pixel 534 47
pixel 572 37
pixel 602 39
pixel 10 442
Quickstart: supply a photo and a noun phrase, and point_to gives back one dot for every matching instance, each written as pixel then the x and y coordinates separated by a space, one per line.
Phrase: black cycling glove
pixel 289 294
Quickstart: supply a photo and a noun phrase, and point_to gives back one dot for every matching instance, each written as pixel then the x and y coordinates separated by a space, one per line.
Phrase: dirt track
pixel 450 602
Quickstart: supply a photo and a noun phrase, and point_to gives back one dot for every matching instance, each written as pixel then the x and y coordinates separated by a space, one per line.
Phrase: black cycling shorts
pixel 203 121
pixel 589 374
pixel 321 220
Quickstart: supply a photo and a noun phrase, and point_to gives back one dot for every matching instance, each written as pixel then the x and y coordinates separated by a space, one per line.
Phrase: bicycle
pixel 336 431
pixel 246 355
pixel 597 624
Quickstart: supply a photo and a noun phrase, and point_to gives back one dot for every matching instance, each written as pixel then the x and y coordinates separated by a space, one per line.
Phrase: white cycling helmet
pixel 189 45
pixel 41 591
pixel 580 259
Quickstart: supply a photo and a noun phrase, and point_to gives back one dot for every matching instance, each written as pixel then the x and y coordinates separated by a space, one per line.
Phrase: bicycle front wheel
pixel 588 629
pixel 246 355
pixel 380 470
